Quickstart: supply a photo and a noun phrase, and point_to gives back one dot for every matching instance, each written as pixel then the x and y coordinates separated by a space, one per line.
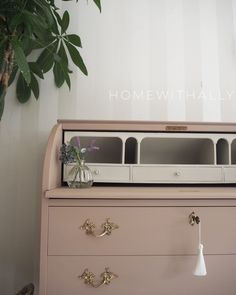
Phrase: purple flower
pixel 73 152
pixel 78 141
pixel 92 147
pixel 75 141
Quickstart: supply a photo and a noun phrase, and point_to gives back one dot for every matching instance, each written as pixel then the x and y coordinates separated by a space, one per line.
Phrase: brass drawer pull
pixel 106 277
pixel 107 228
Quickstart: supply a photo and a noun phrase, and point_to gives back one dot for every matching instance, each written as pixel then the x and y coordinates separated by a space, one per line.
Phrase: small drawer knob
pixel 96 172
pixel 177 173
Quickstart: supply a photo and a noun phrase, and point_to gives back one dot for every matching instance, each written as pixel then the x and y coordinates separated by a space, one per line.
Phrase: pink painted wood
pixel 154 230
pixel 142 231
pixel 142 275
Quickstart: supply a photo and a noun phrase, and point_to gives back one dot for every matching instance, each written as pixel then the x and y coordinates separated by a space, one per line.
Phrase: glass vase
pixel 80 176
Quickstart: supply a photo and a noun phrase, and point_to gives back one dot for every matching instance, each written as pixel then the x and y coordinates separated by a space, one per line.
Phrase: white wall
pixel 147 60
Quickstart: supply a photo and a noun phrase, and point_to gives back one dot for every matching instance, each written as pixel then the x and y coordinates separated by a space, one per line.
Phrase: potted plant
pixel 28 25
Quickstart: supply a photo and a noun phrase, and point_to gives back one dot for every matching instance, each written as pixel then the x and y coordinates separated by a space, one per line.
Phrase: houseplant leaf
pixel 66 71
pixel 58 17
pixel 62 54
pixel 23 90
pixel 21 59
pixel 74 39
pixel 46 60
pixel 2 104
pixel 35 68
pixel 2 99
pixel 65 22
pixel 61 72
pixel 46 10
pixel 13 74
pixel 98 3
pixel 34 85
pixel 58 75
pixel 76 58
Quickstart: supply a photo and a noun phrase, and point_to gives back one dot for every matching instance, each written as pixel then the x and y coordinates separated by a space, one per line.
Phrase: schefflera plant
pixel 28 25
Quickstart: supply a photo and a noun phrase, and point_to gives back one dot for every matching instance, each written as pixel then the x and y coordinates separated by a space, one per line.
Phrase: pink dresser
pixel 131 233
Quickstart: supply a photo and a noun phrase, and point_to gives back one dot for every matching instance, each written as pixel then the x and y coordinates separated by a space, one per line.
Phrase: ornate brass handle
pixel 106 277
pixel 193 218
pixel 107 228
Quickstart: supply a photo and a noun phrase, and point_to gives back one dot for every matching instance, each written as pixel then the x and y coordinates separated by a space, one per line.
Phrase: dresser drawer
pixel 139 275
pixel 172 174
pixel 142 231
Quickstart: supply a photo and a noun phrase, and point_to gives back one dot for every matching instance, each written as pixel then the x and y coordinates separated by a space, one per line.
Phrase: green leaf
pixel 65 22
pixel 58 17
pixel 23 91
pixel 2 99
pixel 13 75
pixel 66 71
pixel 62 54
pixel 46 59
pixel 15 21
pixel 2 104
pixel 67 77
pixel 60 70
pixel 3 40
pixel 98 3
pixel 34 85
pixel 36 21
pixel 42 43
pixel 27 45
pixel 36 25
pixel 74 39
pixel 58 75
pixel 57 20
pixel 76 58
pixel 35 68
pixel 2 61
pixel 46 9
pixel 21 59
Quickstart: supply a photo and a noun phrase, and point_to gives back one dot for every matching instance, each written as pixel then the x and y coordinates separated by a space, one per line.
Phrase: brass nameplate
pixel 176 128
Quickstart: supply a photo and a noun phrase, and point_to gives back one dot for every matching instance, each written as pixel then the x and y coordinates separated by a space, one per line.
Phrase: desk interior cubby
pixel 222 152
pixel 110 149
pixel 131 151
pixel 233 152
pixel 194 151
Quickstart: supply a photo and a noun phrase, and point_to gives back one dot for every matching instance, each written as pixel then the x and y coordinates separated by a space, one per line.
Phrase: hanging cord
pixel 199 233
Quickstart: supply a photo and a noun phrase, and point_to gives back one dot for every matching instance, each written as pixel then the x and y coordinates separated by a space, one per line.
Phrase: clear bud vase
pixel 80 176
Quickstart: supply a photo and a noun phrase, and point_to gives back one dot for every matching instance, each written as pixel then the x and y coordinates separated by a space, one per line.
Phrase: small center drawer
pixel 142 231
pixel 176 174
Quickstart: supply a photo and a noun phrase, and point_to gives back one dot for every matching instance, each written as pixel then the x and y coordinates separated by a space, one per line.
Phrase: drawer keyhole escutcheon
pixel 106 277
pixel 193 218
pixel 107 228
